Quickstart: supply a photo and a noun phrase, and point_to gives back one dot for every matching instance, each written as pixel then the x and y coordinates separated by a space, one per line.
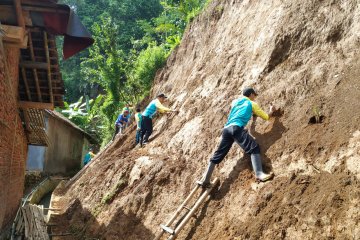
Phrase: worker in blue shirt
pixel 146 124
pixel 87 158
pixel 127 108
pixel 241 111
pixel 138 120
pixel 120 122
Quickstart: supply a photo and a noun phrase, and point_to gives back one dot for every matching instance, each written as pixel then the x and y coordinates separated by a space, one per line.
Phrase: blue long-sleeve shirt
pixel 154 106
pixel 121 118
pixel 242 110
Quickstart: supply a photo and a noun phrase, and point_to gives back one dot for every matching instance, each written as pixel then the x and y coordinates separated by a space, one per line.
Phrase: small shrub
pixel 317 118
pixel 316 114
pixel 109 197
pixel 148 62
pixel 96 210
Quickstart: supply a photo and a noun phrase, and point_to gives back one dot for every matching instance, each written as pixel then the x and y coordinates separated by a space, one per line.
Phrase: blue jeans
pixel 138 136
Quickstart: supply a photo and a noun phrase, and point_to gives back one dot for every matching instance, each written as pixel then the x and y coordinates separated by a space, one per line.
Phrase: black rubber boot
pixel 257 167
pixel 207 175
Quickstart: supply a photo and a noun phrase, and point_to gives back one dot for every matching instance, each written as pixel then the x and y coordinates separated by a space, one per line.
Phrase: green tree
pixel 133 38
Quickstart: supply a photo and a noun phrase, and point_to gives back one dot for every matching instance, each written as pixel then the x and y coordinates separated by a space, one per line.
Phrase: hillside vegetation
pixel 133 39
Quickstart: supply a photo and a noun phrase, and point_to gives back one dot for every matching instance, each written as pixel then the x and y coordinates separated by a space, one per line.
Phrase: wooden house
pixel 67 148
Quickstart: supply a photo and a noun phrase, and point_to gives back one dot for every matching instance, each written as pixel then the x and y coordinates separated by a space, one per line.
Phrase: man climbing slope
pixel 120 122
pixel 138 120
pixel 128 109
pixel 241 111
pixel 146 125
pixel 87 158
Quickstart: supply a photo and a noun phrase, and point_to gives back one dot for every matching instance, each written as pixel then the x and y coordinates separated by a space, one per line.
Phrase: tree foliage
pixel 133 38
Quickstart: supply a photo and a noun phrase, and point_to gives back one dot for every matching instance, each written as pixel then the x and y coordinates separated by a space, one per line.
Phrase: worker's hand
pixel 271 109
pixel 275 112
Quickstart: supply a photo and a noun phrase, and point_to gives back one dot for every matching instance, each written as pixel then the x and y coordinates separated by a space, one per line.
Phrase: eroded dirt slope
pixel 302 57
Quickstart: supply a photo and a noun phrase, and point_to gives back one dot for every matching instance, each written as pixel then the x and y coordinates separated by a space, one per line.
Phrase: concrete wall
pixel 65 153
pixel 13 143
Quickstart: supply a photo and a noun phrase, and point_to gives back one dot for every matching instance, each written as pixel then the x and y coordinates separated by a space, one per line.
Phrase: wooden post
pixel 34 70
pixel 27 121
pixel 48 67
pixel 23 73
pixel 19 15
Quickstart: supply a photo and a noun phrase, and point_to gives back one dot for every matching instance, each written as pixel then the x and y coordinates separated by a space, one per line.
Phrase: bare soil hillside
pixel 302 56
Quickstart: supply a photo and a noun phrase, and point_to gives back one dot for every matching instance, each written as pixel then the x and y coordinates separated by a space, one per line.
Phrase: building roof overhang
pixel 32 26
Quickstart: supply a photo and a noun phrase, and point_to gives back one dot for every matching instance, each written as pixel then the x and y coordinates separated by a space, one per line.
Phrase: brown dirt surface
pixel 302 57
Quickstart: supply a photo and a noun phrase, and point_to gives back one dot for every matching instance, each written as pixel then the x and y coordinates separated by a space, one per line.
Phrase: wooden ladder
pixel 189 211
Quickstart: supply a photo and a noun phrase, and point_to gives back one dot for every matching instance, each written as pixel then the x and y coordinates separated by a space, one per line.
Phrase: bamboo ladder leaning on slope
pixel 190 211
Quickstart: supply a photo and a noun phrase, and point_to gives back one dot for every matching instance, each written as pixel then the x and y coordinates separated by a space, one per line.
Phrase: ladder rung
pixel 167 229
pixel 200 183
pixel 187 208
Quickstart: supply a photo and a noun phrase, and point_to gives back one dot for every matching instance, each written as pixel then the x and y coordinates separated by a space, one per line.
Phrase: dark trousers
pixel 241 137
pixel 146 129
pixel 117 129
pixel 138 136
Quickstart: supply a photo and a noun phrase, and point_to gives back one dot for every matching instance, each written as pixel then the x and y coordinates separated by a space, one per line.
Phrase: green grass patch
pixel 109 196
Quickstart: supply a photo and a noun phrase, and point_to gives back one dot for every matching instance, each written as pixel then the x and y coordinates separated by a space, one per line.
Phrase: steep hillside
pixel 300 56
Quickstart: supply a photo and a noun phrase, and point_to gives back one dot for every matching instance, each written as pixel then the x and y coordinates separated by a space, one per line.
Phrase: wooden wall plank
pixel 36 105
pixel 34 65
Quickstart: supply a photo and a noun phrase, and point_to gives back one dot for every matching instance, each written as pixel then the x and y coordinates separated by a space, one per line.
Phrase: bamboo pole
pixel 52 209
pixel 178 210
pixel 193 210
